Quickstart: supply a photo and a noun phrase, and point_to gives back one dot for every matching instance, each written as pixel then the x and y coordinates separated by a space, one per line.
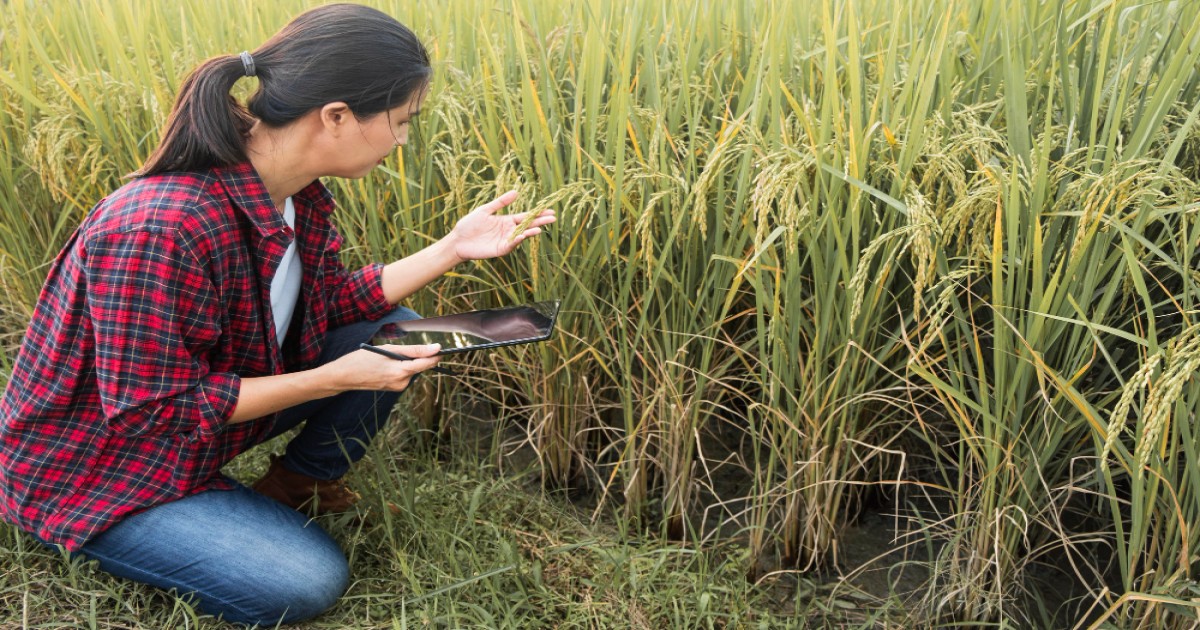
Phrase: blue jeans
pixel 244 556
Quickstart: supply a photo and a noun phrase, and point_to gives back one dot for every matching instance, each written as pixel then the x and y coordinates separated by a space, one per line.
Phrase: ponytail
pixel 334 53
pixel 207 126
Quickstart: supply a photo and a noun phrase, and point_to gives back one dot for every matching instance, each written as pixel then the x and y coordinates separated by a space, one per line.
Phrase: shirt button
pixel 288 232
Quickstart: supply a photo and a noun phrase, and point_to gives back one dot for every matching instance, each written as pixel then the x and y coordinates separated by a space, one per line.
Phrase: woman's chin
pixel 357 173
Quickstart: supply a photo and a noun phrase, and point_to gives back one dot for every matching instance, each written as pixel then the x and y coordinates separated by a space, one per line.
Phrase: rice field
pixel 819 259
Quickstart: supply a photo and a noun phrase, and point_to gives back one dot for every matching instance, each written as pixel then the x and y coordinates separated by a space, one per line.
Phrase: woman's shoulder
pixel 166 202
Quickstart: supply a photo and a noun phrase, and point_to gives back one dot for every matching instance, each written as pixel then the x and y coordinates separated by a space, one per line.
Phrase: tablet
pixel 475 330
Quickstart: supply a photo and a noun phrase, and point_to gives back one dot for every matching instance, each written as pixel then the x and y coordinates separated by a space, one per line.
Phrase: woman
pixel 202 309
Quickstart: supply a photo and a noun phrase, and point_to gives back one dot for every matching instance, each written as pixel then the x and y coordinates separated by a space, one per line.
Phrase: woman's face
pixel 377 137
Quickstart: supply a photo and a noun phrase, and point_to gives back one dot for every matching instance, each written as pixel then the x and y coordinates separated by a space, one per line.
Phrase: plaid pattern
pixel 151 314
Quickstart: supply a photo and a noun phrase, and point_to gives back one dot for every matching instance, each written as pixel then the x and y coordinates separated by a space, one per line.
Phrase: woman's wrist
pixel 408 275
pixel 449 246
pixel 327 380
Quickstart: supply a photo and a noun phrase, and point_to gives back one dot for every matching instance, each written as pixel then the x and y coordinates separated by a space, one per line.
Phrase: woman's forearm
pixel 411 273
pixel 264 395
pixel 359 370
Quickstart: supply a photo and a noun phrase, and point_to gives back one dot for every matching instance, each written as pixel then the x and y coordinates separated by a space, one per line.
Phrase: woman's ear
pixel 335 116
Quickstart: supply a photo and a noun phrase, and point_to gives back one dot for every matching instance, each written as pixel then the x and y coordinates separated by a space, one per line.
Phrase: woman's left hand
pixel 485 234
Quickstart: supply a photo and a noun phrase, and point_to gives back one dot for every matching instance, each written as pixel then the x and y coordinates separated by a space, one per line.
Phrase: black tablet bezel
pixel 557 304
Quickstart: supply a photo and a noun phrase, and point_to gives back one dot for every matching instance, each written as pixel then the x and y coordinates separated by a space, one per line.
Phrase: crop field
pixel 930 265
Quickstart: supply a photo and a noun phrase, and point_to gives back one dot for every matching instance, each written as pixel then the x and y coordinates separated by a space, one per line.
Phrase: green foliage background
pixel 934 258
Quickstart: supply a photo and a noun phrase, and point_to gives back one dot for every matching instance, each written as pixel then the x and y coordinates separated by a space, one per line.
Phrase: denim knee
pixel 241 555
pixel 293 589
pixel 340 341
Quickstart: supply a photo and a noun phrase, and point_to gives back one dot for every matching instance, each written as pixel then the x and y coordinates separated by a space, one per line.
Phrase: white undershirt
pixel 285 286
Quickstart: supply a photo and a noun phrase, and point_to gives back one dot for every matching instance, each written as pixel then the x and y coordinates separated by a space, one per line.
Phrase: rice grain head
pixel 1119 417
pixel 1182 361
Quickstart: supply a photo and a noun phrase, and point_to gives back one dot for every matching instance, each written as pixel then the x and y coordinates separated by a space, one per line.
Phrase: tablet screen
pixel 474 330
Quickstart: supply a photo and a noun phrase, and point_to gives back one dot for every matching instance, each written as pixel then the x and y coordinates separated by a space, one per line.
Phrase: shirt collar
pixel 247 191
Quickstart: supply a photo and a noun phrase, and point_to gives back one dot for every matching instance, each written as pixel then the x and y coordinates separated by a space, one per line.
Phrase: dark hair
pixel 338 52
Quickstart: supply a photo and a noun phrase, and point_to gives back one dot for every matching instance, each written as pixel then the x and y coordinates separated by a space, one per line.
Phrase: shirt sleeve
pixel 352 296
pixel 154 314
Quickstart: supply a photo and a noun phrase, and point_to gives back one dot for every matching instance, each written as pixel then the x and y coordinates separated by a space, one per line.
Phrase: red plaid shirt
pixel 157 306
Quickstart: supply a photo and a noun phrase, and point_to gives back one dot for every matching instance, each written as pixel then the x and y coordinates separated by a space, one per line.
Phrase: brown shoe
pixel 305 494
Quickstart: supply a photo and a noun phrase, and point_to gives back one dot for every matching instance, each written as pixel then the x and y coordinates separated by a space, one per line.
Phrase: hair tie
pixel 247 63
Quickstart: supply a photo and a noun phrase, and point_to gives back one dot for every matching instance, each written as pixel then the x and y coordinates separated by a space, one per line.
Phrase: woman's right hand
pixel 365 370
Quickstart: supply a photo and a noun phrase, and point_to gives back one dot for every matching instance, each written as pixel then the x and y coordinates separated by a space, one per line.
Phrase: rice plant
pixel 934 259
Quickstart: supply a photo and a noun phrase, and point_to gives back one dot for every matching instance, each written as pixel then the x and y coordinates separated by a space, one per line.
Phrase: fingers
pixel 401 363
pixel 419 358
pixel 382 368
pixel 413 352
pixel 530 224
pixel 526 234
pixel 545 217
pixel 496 204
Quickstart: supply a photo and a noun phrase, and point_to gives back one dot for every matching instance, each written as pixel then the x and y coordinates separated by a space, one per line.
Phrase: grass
pixel 466 548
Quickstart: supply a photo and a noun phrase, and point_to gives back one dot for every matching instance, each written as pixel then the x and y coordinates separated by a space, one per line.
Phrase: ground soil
pixel 871 562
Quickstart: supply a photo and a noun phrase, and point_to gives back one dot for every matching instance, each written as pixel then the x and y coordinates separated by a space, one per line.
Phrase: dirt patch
pixel 872 560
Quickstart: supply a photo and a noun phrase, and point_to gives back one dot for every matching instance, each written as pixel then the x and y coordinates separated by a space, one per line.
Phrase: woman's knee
pixel 399 314
pixel 299 588
pixel 341 341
